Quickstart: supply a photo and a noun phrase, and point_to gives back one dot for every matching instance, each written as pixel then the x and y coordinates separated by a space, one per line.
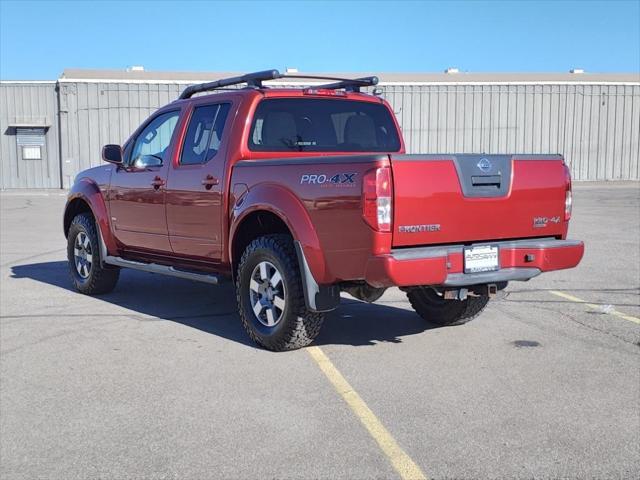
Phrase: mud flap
pixel 318 298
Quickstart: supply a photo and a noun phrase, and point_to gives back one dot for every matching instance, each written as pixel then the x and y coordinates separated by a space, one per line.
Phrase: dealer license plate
pixel 482 258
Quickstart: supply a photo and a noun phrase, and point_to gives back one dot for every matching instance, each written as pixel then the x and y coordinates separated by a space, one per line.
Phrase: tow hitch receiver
pixel 457 294
pixel 490 289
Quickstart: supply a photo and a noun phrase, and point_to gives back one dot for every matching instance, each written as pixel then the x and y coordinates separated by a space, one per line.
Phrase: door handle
pixel 157 182
pixel 209 181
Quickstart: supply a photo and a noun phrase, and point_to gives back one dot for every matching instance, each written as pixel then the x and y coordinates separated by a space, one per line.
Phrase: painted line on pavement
pixel 403 464
pixel 595 307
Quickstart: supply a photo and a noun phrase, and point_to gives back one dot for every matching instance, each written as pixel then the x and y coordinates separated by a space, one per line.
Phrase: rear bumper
pixel 444 265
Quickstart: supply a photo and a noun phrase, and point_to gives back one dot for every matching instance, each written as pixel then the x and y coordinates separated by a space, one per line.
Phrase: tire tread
pixel 302 330
pixel 102 280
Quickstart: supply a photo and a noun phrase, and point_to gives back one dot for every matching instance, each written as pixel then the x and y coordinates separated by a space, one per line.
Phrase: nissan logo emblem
pixel 484 164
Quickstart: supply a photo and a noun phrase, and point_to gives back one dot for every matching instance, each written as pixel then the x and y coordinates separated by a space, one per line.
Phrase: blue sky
pixel 39 39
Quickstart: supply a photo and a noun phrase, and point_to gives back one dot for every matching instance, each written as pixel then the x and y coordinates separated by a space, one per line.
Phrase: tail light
pixel 377 199
pixel 568 197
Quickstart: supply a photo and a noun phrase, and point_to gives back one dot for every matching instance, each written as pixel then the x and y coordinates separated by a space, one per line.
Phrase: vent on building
pixel 30 136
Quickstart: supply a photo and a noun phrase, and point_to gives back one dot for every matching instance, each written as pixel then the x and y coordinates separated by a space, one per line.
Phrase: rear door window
pixel 322 125
pixel 202 141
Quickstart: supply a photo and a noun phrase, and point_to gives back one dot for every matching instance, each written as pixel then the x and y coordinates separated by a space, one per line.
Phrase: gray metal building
pixel 52 130
pixel 29 141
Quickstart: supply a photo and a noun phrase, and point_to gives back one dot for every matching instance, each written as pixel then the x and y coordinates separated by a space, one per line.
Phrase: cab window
pixel 153 142
pixel 322 125
pixel 202 141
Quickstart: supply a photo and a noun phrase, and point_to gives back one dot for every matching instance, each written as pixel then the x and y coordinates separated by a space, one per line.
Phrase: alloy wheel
pixel 267 294
pixel 82 255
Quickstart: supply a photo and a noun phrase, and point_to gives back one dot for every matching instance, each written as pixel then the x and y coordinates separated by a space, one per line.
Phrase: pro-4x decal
pixel 345 179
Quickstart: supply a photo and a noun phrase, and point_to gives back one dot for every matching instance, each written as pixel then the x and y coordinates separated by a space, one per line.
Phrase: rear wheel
pixel 270 296
pixel 88 274
pixel 436 309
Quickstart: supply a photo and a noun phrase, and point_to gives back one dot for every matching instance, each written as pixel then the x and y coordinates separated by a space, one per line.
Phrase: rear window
pixel 322 125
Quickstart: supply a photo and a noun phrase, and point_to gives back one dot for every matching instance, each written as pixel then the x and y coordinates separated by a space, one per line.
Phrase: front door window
pixel 151 146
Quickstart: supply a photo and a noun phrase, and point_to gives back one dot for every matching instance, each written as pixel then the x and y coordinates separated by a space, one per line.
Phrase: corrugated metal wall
pixel 596 127
pixel 94 114
pixel 33 104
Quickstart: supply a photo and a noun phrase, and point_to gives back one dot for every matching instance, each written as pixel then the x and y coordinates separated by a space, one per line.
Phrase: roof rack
pixel 251 79
pixel 255 80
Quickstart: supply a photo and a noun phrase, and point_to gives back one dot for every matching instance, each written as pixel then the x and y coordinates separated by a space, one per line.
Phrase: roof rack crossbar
pixel 251 79
pixel 255 80
pixel 351 84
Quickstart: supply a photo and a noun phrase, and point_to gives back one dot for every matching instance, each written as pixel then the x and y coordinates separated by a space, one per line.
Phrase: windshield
pixel 322 125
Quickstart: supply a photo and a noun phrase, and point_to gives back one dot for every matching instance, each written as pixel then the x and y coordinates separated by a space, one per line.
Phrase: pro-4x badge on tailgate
pixel 541 222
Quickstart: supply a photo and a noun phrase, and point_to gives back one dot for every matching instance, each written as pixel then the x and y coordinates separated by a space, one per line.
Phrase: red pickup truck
pixel 297 194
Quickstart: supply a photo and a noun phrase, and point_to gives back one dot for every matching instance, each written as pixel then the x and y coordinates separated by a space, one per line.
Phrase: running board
pixel 161 269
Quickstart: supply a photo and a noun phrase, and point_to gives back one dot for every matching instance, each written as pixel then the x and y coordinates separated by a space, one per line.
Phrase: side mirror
pixel 112 154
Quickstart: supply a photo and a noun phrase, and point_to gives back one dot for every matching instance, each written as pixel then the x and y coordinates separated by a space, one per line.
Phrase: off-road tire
pixel 435 309
pixel 100 279
pixel 298 326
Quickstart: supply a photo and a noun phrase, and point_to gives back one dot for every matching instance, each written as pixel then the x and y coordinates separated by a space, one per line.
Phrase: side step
pixel 153 267
pixel 161 269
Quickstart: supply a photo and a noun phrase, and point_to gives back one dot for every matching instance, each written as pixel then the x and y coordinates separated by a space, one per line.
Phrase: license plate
pixel 483 258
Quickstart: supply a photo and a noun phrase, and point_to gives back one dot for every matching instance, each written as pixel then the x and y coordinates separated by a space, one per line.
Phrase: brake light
pixel 568 196
pixel 377 199
pixel 324 91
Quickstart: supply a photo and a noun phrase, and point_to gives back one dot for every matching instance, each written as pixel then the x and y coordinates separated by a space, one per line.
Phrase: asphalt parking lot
pixel 158 379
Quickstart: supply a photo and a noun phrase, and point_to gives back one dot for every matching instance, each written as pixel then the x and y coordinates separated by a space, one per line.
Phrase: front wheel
pixel 435 309
pixel 270 296
pixel 88 274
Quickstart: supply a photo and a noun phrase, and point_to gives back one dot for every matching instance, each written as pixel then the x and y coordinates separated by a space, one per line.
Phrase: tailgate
pixel 467 198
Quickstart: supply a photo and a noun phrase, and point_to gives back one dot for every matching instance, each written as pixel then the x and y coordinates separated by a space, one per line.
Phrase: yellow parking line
pixel 403 464
pixel 595 307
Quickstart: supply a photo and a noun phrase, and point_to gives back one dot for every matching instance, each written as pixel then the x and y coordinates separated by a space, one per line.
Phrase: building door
pixel 32 166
